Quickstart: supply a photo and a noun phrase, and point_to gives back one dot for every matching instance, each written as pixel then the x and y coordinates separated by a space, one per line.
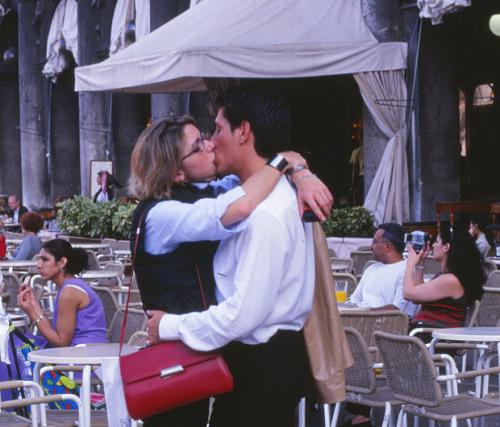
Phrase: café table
pixel 95 275
pixel 10 265
pixel 482 336
pixel 8 225
pixel 90 246
pixel 496 260
pixel 87 355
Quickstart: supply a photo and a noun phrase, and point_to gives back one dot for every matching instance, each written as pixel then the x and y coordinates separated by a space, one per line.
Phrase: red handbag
pixel 164 376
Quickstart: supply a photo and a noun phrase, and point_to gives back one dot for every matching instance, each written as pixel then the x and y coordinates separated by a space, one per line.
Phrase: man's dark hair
pixel 395 234
pixel 265 108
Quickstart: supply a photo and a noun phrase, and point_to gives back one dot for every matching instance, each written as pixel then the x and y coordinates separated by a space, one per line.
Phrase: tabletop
pixel 478 334
pixel 90 246
pixel 89 354
pixel 495 259
pixel 11 263
pixel 99 274
pixel 12 225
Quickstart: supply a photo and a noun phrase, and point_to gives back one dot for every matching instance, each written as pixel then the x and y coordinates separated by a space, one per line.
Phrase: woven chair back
pixel 359 259
pixel 489 314
pixel 139 339
pixel 431 266
pixel 409 368
pixel 109 303
pixel 493 280
pixel 136 321
pixel 92 260
pixel 360 377
pixel 11 287
pixel 369 321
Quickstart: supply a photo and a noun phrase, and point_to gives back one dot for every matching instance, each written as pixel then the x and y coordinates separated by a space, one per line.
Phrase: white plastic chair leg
pixel 336 412
pixel 387 415
pixel 302 412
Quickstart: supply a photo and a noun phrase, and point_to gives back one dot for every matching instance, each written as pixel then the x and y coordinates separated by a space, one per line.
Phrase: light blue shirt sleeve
pixel 172 222
pixel 222 185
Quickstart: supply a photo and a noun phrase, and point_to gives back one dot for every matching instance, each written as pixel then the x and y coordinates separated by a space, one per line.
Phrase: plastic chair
pixel 412 376
pixel 493 280
pixel 136 321
pixel 109 303
pixel 36 401
pixel 361 382
pixel 360 258
pixel 367 322
pixel 12 283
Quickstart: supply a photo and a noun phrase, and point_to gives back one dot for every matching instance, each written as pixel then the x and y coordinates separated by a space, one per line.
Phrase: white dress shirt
pixel 171 222
pixel 264 276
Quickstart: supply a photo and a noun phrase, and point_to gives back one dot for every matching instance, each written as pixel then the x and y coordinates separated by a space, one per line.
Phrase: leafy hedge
pixel 80 216
pixel 350 222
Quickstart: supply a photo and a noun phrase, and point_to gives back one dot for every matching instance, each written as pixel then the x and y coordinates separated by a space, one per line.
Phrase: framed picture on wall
pixel 97 166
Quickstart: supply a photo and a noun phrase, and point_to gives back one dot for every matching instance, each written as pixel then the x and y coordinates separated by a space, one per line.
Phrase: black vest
pixel 169 281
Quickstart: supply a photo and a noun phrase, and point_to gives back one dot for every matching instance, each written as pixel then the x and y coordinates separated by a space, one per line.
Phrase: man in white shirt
pixel 382 283
pixel 264 275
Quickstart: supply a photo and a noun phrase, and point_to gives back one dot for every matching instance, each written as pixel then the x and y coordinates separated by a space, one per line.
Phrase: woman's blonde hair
pixel 156 158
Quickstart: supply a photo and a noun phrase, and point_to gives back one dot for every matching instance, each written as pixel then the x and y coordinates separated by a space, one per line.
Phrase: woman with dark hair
pixel 31 224
pixel 78 311
pixel 460 282
pixel 480 234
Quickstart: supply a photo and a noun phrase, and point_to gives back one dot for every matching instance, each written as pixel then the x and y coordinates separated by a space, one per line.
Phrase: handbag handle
pixel 124 320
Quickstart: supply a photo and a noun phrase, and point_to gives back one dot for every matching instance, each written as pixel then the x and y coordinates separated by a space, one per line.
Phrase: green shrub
pixel 350 222
pixel 80 216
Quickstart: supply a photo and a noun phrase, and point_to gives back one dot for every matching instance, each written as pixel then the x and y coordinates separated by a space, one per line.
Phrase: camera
pixel 417 239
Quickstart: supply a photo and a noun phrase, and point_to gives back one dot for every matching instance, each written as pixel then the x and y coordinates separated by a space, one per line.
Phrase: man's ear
pixel 180 177
pixel 244 132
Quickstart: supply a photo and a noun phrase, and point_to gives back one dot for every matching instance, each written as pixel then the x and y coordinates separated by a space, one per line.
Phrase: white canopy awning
pixel 246 39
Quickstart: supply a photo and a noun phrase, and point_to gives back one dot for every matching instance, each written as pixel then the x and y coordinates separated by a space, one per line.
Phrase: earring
pixel 60 270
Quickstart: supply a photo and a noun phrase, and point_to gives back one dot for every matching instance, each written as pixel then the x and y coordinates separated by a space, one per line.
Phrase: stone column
pixel 35 151
pixel 167 104
pixel 433 146
pixel 10 150
pixel 94 116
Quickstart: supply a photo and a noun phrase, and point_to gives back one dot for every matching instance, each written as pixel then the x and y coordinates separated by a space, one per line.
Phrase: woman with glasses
pixel 460 282
pixel 183 214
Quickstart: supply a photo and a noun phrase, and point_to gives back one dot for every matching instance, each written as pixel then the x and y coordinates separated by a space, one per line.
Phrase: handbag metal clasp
pixel 172 370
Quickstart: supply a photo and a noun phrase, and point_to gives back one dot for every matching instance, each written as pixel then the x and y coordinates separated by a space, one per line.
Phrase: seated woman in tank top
pixel 78 311
pixel 446 297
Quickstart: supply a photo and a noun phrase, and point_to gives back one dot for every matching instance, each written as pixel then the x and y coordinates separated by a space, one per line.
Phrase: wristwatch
pixel 278 162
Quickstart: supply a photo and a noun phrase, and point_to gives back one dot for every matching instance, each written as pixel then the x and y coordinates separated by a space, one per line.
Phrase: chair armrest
pixel 469 374
pixel 38 400
pixel 416 331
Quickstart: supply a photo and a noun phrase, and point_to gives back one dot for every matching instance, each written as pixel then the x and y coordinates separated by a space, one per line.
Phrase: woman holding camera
pixel 445 298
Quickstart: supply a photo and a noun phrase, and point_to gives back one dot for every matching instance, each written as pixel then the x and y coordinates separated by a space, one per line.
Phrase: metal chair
pixel 431 266
pixel 342 265
pixel 493 280
pixel 12 283
pixel 136 321
pixel 489 314
pixel 92 260
pixel 360 258
pixel 361 382
pixel 36 401
pixel 369 321
pixel 113 266
pixel 109 303
pixel 412 376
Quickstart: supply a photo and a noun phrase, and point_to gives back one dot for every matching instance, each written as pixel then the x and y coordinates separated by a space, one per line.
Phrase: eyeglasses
pixel 198 146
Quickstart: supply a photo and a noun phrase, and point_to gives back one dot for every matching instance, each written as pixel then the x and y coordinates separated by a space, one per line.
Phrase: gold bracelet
pixel 37 321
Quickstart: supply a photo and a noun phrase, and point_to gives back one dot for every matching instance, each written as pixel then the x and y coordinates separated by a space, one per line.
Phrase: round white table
pixel 12 225
pixel 480 335
pixel 87 355
pixel 99 274
pixel 90 246
pixel 11 265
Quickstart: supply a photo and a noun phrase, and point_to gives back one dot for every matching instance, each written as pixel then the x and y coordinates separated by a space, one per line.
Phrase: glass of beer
pixel 341 291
